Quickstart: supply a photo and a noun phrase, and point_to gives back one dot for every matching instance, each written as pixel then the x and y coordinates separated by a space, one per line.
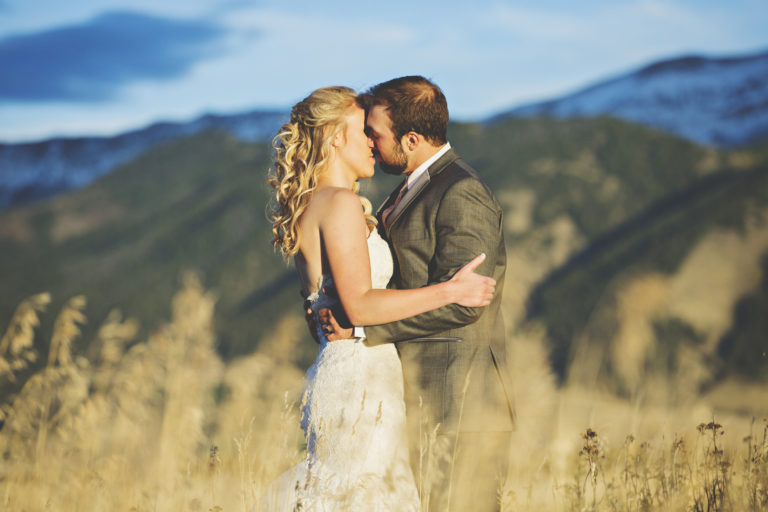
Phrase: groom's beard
pixel 398 163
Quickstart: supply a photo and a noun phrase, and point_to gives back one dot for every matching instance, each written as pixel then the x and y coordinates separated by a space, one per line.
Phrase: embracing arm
pixel 468 221
pixel 343 232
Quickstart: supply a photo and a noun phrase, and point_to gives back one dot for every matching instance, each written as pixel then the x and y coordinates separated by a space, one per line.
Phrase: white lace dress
pixel 353 416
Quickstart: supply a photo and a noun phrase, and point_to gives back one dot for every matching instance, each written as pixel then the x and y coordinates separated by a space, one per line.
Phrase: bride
pixel 353 414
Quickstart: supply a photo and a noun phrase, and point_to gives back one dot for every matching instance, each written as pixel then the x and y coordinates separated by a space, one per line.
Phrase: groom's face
pixel 388 151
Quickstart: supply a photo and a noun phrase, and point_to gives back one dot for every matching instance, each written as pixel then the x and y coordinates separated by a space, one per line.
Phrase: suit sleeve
pixel 468 222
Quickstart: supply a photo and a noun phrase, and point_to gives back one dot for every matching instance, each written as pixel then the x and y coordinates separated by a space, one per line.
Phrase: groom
pixel 458 398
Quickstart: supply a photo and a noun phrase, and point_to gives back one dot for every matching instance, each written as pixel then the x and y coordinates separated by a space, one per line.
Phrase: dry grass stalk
pixel 756 468
pixel 17 349
pixel 65 330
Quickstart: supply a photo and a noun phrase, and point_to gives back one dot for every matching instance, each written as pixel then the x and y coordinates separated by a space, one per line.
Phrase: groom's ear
pixel 411 141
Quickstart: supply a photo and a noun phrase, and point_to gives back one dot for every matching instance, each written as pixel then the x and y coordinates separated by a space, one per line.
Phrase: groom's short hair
pixel 414 104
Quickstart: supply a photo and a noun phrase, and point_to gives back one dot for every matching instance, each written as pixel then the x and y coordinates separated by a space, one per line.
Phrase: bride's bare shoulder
pixel 337 201
pixel 333 193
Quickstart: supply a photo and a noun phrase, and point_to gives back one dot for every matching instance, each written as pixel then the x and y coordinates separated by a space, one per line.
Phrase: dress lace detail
pixel 353 416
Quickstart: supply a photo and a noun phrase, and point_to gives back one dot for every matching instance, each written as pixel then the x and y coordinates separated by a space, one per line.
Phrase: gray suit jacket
pixel 454 358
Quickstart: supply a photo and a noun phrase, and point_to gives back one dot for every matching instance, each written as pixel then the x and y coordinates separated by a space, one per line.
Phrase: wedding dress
pixel 353 417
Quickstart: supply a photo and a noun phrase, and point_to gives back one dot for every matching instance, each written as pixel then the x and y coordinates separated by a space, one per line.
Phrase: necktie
pixel 386 213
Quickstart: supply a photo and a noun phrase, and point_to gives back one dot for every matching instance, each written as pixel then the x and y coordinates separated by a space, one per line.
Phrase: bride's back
pixel 311 262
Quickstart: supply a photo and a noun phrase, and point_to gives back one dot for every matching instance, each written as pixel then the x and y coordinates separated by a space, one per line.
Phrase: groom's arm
pixel 468 222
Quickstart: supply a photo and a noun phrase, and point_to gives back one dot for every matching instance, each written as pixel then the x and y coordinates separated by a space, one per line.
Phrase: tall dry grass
pixel 159 424
pixel 164 424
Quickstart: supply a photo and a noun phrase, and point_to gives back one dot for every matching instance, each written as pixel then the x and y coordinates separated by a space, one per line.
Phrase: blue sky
pixel 89 67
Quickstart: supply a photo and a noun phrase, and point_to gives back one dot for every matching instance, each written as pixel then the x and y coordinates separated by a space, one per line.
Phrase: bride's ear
pixel 338 140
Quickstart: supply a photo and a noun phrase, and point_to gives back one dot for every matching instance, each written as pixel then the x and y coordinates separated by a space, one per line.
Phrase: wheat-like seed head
pixel 65 330
pixel 17 344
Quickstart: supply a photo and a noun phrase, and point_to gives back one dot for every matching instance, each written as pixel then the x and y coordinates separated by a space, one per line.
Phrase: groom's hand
pixel 331 327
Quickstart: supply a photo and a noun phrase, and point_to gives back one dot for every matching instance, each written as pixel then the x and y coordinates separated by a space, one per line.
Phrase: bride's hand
pixel 471 289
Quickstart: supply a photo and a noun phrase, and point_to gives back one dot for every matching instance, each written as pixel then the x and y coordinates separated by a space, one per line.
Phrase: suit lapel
pixel 389 200
pixel 416 189
pixel 418 186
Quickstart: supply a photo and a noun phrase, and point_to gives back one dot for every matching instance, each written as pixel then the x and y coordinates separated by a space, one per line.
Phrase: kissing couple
pixel 410 410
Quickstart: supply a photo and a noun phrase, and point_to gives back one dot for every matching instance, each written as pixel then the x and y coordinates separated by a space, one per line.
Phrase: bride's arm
pixel 344 232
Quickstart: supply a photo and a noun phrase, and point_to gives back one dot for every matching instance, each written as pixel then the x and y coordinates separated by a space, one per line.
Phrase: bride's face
pixel 356 150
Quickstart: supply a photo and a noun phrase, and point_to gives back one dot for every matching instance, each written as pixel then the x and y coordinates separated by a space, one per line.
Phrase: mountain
pixel 36 170
pixel 719 102
pixel 685 278
pixel 599 213
pixel 124 240
pixel 631 250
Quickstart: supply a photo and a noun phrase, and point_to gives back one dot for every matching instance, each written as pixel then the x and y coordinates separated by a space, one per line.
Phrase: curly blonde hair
pixel 302 150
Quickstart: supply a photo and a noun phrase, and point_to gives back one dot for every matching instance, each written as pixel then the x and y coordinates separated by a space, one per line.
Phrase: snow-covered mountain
pixel 31 171
pixel 714 101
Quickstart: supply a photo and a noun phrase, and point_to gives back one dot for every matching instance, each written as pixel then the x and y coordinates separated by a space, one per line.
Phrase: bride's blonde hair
pixel 302 150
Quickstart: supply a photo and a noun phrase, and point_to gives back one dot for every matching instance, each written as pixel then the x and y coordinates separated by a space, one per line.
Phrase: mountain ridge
pixel 35 170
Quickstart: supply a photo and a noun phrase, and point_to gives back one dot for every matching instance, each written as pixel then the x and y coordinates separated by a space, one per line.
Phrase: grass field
pixel 164 424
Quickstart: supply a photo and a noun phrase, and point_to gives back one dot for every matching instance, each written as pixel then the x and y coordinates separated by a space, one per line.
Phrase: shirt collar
pixel 412 177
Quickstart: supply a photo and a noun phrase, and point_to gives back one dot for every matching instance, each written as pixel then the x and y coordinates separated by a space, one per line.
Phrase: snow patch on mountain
pixel 713 101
